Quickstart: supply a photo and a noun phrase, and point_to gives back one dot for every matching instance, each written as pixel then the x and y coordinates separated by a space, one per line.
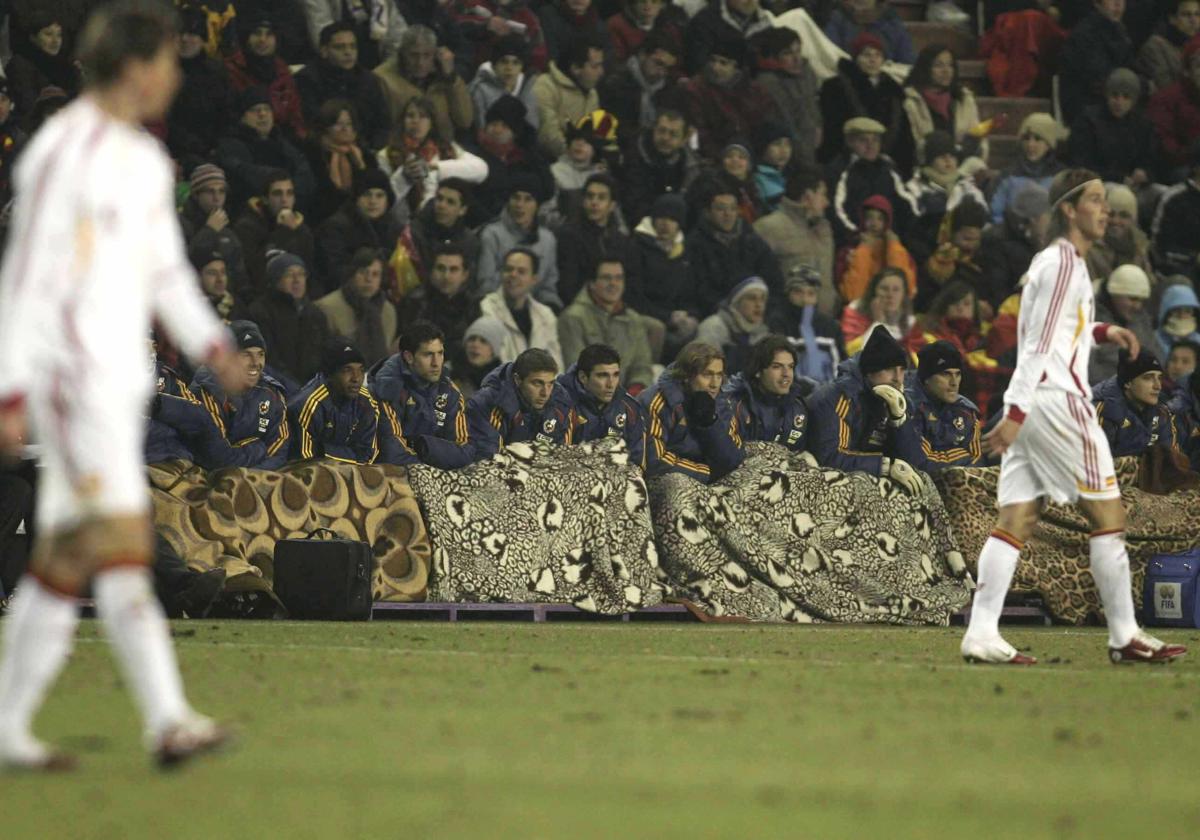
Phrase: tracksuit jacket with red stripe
pixel 675 445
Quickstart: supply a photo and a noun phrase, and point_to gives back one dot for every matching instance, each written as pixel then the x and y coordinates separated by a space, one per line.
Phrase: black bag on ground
pixel 327 579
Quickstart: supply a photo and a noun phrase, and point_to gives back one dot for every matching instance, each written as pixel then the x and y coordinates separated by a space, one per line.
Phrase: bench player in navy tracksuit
pixel 600 407
pixel 767 399
pixel 948 423
pixel 519 402
pixel 1130 409
pixel 431 409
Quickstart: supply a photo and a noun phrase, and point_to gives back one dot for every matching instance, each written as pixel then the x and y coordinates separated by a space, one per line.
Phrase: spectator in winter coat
pixel 1181 363
pixel 689 429
pixel 600 407
pixel 789 80
pixel 1160 60
pixel 938 187
pixel 480 354
pixel 722 20
pixel 1097 45
pixel 859 422
pixel 204 103
pixel 1008 248
pixel 660 162
pixel 527 321
pixel 723 251
pixel 271 222
pixel 288 21
pixel 1175 112
pixel 364 221
pixel 862 89
pixel 799 234
pixel 877 248
pixel 723 101
pixel 519 225
pixel 954 316
pixel 444 299
pixel 1130 408
pixel 1185 407
pixel 564 21
pixel 583 159
pixel 1176 228
pixel 886 302
pixel 948 423
pixel 774 150
pixel 442 222
pixel 377 27
pixel 256 147
pixel 359 310
pixel 739 324
pixel 1122 300
pixel 630 93
pixel 1124 243
pixel 507 74
pixel 507 145
pixel 1115 139
pixel 659 288
pixel 335 417
pixel 519 402
pixel 1178 312
pixel 628 29
pixel 422 68
pixel 863 171
pixel 767 399
pixel 599 315
pixel 874 17
pixel 205 223
pixel 214 282
pixel 567 91
pixel 593 234
pixel 1039 135
pixel 956 256
pixel 290 323
pixel 38 61
pixel 258 64
pixel 164 442
pixel 335 155
pixel 816 339
pixel 338 75
pixel 432 411
pixel 935 99
pixel 483 23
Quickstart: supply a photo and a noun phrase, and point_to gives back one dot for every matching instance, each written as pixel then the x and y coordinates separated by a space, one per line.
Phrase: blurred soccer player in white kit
pixel 95 252
pixel 1051 443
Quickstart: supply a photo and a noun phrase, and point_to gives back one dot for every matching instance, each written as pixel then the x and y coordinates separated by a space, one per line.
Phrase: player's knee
pixel 1019 520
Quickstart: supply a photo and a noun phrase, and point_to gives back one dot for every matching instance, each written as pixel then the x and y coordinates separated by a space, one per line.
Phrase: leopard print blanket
pixel 233 517
pixel 546 524
pixel 780 539
pixel 1054 563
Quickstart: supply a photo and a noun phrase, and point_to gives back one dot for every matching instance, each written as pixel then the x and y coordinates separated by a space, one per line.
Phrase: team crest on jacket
pixel 548 426
pixel 619 420
pixel 798 420
pixel 959 423
pixel 264 407
pixel 441 400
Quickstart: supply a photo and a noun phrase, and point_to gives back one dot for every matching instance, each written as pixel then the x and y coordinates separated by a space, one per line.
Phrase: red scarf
pixel 938 101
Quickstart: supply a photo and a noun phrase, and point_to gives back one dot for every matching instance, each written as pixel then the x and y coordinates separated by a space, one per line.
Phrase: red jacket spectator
pixel 271 72
pixel 475 21
pixel 1175 110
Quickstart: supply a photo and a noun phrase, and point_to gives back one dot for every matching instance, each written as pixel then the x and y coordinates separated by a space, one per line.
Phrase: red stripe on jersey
pixel 1090 466
pixel 1075 376
pixel 1060 292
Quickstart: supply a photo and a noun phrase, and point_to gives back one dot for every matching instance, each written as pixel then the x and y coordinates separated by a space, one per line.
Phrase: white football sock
pixel 997 563
pixel 1110 569
pixel 37 641
pixel 138 631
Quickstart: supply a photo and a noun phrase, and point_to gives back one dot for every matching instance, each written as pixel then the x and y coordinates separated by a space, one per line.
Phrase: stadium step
pixel 958 40
pixel 1017 108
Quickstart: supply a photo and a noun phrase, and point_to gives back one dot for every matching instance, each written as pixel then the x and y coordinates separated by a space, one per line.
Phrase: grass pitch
pixel 398 729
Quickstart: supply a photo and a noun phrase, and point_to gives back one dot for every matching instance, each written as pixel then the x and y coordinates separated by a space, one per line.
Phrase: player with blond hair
pixel 95 254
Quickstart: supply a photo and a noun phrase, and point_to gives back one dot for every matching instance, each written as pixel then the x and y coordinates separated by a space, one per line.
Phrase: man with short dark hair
pixel 724 250
pixel 518 225
pixel 567 91
pixel 948 423
pixel 767 399
pixel 334 416
pixel 594 234
pixel 443 221
pixel 519 402
pixel 257 64
pixel 630 94
pixel 445 299
pixel 431 409
pixel 600 407
pixel 598 315
pixel 271 222
pixel 527 322
pixel 659 162
pixel 338 75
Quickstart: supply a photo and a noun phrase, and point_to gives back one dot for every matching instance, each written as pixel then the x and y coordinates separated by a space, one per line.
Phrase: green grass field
pixel 399 729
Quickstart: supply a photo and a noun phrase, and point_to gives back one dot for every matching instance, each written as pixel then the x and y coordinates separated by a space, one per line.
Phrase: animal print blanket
pixel 1054 563
pixel 543 524
pixel 233 517
pixel 780 539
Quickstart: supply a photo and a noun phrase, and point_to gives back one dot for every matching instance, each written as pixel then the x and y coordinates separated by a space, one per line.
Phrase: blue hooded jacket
pixel 766 417
pixel 1175 297
pixel 163 438
pixel 674 445
pixel 848 426
pixel 498 415
pixel 435 412
pixel 1132 431
pixel 622 417
pixel 1185 407
pixel 357 431
pixel 949 432
pixel 251 428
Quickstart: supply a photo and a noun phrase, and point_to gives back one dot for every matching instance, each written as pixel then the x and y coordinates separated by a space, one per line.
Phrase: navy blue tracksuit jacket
pixel 1130 430
pixel 252 427
pixel 358 431
pixel 435 412
pixel 164 441
pixel 674 445
pixel 766 417
pixel 497 415
pixel 622 417
pixel 949 432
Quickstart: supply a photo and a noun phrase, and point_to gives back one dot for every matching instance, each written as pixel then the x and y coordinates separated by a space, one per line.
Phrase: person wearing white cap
pixel 1124 241
pixel 1122 301
pixel 739 324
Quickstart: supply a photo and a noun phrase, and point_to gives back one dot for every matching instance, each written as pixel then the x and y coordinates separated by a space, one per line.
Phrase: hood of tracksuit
pixel 739 386
pixel 392 375
pixel 501 379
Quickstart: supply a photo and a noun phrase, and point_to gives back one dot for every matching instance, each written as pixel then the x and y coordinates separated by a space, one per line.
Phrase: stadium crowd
pixel 438 228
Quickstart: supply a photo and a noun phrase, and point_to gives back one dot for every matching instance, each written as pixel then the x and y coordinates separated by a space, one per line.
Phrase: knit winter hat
pixel 526 182
pixel 1129 280
pixel 801 276
pixel 750 284
pixel 938 357
pixel 863 40
pixel 669 206
pixel 490 330
pixel 372 178
pixel 1031 201
pixel 206 175
pixel 251 97
pixel 202 256
pixel 1122 200
pixel 278 264
pixel 508 110
pixel 1043 126
pixel 938 143
pixel 1130 369
pixel 970 213
pixel 511 44
pixel 246 334
pixel 875 202
pixel 338 352
pixel 881 352
pixel 1123 81
pixel 767 133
